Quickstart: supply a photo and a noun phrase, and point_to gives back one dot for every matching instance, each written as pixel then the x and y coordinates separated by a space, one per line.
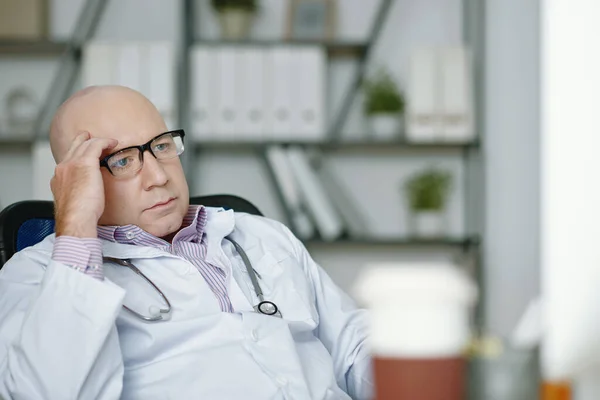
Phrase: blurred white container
pixel 428 224
pixel 385 126
pixel 417 309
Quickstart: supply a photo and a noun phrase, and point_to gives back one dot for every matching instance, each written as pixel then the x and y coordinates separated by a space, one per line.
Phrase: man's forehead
pixel 108 112
pixel 130 127
pixel 136 138
pixel 122 104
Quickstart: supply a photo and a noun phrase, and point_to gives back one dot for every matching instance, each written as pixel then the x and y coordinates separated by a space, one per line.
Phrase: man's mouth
pixel 162 204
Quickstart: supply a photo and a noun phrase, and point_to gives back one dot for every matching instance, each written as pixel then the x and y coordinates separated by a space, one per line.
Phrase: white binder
pixel 279 121
pixel 350 211
pixel 252 94
pixel 129 66
pixel 308 69
pixel 98 66
pixel 148 67
pixel 423 117
pixel 226 98
pixel 326 217
pixel 203 92
pixel 290 190
pixel 457 120
pixel 159 82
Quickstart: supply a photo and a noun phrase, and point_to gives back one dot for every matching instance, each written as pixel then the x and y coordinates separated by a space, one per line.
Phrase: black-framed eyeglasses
pixel 130 160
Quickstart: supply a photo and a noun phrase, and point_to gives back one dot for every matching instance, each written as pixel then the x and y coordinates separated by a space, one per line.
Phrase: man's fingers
pixel 94 147
pixel 79 139
pixel 97 147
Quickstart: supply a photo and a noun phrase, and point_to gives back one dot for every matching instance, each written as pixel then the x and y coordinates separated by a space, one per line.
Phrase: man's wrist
pixel 80 230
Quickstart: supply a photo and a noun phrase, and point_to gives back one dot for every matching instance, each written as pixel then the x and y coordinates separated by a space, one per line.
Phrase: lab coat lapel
pixel 219 223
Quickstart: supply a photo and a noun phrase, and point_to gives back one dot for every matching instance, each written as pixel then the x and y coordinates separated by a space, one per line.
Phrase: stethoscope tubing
pixel 265 307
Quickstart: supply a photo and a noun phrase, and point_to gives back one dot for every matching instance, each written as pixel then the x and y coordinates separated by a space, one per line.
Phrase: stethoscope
pixel 265 307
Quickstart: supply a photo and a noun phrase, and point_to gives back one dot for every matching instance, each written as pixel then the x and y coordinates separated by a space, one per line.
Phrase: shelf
pixel 348 146
pixel 400 242
pixel 334 49
pixel 31 48
pixel 11 143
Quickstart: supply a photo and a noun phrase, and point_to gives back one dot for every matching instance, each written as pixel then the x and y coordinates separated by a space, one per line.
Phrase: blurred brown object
pixel 556 391
pixel 424 379
pixel 23 19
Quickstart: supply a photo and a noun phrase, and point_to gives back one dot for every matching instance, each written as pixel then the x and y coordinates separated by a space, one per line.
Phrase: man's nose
pixel 153 172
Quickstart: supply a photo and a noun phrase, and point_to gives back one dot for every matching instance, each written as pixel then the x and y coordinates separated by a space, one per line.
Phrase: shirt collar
pixel 193 229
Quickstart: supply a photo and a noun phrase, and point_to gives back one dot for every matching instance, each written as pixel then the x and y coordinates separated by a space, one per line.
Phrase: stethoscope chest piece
pixel 267 307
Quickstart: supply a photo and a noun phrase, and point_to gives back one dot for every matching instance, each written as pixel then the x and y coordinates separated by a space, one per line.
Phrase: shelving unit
pixel 342 146
pixel 334 48
pixel 332 143
pixel 470 153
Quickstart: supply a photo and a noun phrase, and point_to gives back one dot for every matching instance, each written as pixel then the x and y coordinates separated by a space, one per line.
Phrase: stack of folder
pixel 440 96
pixel 253 93
pixel 148 67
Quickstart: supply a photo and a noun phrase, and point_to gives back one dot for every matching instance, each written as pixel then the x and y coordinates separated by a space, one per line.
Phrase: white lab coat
pixel 64 335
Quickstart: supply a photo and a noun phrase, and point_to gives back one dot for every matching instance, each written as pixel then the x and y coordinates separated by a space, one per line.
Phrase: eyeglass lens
pixel 131 160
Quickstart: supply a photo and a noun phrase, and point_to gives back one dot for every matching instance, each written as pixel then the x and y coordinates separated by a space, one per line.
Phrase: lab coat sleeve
pixel 343 328
pixel 58 338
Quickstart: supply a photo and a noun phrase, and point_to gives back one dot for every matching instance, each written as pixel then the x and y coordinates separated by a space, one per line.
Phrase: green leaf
pixel 382 94
pixel 428 190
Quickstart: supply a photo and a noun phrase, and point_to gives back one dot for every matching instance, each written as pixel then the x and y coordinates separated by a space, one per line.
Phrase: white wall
pixel 512 159
pixel 512 128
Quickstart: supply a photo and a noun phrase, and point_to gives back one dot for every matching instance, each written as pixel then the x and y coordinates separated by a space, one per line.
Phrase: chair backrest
pixel 28 222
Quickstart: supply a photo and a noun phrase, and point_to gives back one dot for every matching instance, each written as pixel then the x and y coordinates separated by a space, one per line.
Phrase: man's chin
pixel 165 227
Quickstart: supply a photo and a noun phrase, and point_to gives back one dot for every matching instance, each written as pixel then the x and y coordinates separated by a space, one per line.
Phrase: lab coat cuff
pixel 95 299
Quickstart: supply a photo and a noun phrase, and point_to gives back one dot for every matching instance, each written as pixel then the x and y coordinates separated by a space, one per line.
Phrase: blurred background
pixel 377 130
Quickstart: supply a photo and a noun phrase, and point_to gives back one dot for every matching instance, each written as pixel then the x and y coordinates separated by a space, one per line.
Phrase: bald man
pixel 79 323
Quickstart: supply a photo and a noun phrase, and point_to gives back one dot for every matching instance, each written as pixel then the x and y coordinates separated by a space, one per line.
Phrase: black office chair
pixel 28 222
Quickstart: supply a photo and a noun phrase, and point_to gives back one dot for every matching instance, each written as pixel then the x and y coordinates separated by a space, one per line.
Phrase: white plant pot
pixel 385 126
pixel 428 224
pixel 235 24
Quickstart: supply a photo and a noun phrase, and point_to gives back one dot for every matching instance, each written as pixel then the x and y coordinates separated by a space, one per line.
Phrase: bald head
pixel 104 111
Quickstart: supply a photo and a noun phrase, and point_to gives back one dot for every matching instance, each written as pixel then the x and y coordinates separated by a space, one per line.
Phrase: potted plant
pixel 235 17
pixel 384 105
pixel 427 193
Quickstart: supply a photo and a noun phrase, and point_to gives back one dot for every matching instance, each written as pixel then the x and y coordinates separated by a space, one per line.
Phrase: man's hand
pixel 78 188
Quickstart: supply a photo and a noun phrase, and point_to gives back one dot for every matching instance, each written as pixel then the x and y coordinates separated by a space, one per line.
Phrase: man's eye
pixel 122 162
pixel 161 147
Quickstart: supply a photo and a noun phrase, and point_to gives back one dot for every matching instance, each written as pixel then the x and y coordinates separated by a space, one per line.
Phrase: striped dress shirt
pixel 189 243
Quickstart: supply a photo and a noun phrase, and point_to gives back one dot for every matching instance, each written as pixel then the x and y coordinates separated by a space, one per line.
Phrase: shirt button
pixel 254 335
pixel 130 235
pixel 281 380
